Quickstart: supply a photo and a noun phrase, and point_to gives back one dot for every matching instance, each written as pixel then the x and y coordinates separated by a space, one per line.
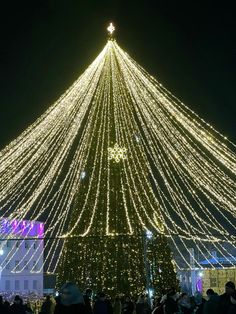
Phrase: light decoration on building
pixel 186 190
pixel 12 233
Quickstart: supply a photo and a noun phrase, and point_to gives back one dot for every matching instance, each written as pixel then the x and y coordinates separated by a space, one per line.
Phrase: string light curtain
pixel 118 155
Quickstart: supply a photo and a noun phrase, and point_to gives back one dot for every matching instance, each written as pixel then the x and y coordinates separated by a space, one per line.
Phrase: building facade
pixel 21 256
pixel 212 273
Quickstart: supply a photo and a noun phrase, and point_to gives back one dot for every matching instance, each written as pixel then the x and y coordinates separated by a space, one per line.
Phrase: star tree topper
pixel 111 29
pixel 117 153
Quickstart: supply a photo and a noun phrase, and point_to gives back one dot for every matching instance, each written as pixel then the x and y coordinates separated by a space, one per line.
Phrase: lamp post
pixel 193 271
pixel 147 237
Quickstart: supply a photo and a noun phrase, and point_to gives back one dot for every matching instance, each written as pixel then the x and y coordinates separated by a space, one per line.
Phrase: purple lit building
pixel 21 256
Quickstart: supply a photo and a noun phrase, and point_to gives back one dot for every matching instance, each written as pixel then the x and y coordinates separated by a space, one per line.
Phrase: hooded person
pixel 71 300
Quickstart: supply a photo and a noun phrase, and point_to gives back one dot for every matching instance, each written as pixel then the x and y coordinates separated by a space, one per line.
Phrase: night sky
pixel 190 47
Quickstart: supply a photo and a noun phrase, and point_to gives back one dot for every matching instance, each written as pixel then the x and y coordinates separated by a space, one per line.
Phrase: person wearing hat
pixel 225 299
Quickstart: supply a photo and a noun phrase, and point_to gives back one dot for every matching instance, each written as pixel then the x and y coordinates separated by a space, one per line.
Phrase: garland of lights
pixel 187 188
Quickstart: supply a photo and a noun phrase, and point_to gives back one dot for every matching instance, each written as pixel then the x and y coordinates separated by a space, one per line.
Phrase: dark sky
pixel 188 45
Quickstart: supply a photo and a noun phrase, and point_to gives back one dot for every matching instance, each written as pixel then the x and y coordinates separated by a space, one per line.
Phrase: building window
pixel 26 244
pixel 35 284
pixel 8 243
pixel 8 266
pixel 17 285
pixel 7 285
pixel 26 265
pixel 35 245
pixel 26 285
pixel 17 243
pixel 17 266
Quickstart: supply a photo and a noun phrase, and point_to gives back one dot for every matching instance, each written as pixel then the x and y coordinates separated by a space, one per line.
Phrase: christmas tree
pixel 111 255
pixel 118 168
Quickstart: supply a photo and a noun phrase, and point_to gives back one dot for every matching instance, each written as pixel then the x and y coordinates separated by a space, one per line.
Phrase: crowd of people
pixel 72 301
pixel 175 303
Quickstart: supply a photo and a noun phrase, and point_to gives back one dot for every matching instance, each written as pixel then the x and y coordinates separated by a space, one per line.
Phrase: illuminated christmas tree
pixel 114 184
pixel 116 158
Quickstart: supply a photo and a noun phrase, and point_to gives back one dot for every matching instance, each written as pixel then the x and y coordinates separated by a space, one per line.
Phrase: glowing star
pixel 117 153
pixel 111 29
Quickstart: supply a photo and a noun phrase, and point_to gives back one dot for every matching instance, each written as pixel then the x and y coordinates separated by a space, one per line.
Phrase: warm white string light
pixel 118 132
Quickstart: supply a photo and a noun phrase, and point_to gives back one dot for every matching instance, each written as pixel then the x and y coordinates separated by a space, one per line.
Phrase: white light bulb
pixel 137 138
pixel 149 234
pixel 83 175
